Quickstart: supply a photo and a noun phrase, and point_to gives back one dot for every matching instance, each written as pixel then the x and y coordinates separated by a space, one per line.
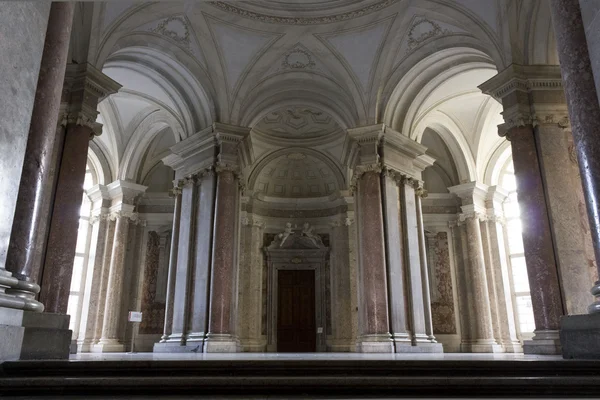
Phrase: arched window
pixel 520 283
pixel 82 253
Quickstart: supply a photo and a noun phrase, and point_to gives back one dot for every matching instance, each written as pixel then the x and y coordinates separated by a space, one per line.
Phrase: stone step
pixel 314 378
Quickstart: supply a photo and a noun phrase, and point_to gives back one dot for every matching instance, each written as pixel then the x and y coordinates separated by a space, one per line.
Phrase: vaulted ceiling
pixel 303 70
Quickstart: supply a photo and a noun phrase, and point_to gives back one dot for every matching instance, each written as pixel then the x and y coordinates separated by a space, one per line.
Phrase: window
pixel 82 252
pixel 520 282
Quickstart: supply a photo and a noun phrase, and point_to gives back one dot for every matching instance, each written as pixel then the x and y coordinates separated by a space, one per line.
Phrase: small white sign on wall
pixel 135 316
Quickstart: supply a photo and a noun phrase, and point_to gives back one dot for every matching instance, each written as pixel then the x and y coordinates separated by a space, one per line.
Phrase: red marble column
pixel 32 206
pixel 220 337
pixel 542 271
pixel 374 335
pixel 172 266
pixel 62 238
pixel 584 112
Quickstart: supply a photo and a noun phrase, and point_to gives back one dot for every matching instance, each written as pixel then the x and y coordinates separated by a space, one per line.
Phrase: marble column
pixel 395 261
pixel 93 286
pixel 584 112
pixel 85 87
pixel 374 334
pixel 494 230
pixel 482 339
pixel 109 341
pixel 182 272
pixel 546 296
pixel 170 296
pixel 223 289
pixel 32 202
pixel 420 193
pixel 414 265
pixel 251 281
pixel 103 283
pixel 201 270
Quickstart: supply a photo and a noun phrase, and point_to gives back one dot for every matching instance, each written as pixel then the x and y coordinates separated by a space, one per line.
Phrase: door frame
pixel 292 259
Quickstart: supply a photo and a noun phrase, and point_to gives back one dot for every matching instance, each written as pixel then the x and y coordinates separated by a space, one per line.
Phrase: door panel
pixel 296 319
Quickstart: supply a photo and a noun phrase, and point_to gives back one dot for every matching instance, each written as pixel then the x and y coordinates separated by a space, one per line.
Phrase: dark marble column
pixel 221 335
pixel 584 112
pixel 170 298
pixel 32 201
pixel 546 297
pixel 62 237
pixel 374 334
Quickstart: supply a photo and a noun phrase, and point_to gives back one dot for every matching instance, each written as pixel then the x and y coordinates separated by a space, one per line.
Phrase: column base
pixel 580 336
pixel 481 346
pixel 108 346
pixel 221 343
pixel 28 335
pixel 253 346
pixel 161 347
pixel 84 346
pixel 512 347
pixel 341 346
pixel 379 343
pixel 543 342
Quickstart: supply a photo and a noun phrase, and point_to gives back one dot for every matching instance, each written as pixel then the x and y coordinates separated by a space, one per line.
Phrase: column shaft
pixel 62 237
pixel 203 242
pixel 424 268
pixel 170 297
pixel 584 112
pixel 546 296
pixel 413 260
pixel 103 285
pixel 374 325
pixel 223 272
pixel 114 294
pixel 32 202
pixel 183 269
pixel 395 262
pixel 484 335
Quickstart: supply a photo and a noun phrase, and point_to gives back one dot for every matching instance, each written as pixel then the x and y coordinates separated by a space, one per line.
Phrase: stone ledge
pixel 580 336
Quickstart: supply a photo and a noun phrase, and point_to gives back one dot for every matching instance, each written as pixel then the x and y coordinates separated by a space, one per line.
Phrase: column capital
pixel 253 221
pixel 85 86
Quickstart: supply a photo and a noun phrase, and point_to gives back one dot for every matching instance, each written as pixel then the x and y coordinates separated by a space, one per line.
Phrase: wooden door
pixel 296 318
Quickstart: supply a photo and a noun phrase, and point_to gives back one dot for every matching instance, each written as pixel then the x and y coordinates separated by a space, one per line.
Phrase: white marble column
pixel 172 272
pixel 396 264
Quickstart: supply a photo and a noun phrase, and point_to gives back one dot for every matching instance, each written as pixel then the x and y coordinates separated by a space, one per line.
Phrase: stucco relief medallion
pixel 423 30
pixel 298 59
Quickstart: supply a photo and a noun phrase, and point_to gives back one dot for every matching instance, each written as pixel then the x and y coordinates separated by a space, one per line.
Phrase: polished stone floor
pixel 310 356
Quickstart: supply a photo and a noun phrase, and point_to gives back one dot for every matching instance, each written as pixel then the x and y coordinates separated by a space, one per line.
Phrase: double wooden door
pixel 296 312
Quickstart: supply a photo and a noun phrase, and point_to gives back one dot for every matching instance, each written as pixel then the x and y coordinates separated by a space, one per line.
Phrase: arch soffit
pixel 496 163
pixel 142 137
pixel 452 136
pixel 265 160
pixel 193 96
pixel 400 98
pixel 306 87
pixel 97 158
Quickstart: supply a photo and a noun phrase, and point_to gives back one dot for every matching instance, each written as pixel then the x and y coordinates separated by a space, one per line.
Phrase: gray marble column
pixel 584 112
pixel 201 270
pixel 170 296
pixel 32 202
pixel 221 335
pixel 182 272
pixel 374 334
pixel 396 264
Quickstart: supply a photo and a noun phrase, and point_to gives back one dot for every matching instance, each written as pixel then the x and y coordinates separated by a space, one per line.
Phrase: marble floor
pixel 310 356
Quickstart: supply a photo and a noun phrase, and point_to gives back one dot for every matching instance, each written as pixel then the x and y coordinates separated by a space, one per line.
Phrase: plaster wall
pixel 22 26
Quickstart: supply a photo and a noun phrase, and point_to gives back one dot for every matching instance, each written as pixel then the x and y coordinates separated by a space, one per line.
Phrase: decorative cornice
pixel 273 19
pixel 347 221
